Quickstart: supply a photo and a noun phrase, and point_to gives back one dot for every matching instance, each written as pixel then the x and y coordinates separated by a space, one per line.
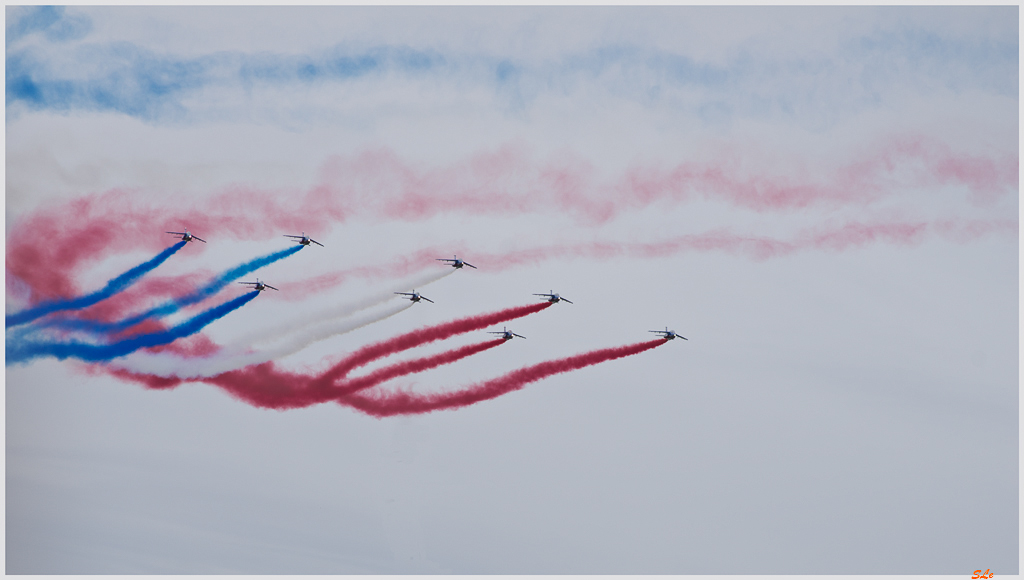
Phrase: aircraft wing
pixel 316 242
pixel 565 300
pixel 198 238
pixel 519 335
pixel 269 286
pixel 427 299
pixel 470 265
pixel 176 233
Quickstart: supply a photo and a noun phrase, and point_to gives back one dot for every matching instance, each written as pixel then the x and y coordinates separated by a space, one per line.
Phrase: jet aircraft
pixel 507 334
pixel 258 286
pixel 668 334
pixel 554 298
pixel 186 236
pixel 415 296
pixel 304 240
pixel 456 262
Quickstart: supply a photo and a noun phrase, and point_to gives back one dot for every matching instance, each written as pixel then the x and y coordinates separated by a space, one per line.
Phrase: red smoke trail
pixel 902 163
pixel 935 164
pixel 267 387
pixel 507 181
pixel 270 388
pixel 150 381
pixel 414 366
pixel 264 385
pixel 423 336
pixel 45 248
pixel 839 238
pixel 405 403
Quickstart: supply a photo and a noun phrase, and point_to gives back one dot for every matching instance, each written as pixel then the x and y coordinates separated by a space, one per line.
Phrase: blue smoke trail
pixel 113 287
pixel 18 351
pixel 173 306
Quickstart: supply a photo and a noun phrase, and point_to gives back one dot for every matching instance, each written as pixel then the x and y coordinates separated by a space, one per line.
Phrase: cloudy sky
pixel 822 200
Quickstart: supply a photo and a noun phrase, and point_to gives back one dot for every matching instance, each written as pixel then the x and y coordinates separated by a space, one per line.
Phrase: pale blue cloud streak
pixel 816 88
pixel 52 21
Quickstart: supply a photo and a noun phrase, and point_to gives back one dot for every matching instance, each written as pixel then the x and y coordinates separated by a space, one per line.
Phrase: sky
pixel 822 200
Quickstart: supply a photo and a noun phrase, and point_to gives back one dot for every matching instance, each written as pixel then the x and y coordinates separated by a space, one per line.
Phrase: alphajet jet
pixel 304 239
pixel 668 334
pixel 554 298
pixel 415 296
pixel 506 334
pixel 258 286
pixel 456 262
pixel 186 236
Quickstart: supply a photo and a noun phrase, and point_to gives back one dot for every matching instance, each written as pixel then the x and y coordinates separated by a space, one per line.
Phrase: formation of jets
pixel 415 296
pixel 187 237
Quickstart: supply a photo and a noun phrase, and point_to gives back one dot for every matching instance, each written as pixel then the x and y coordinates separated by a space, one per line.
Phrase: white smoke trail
pixel 338 311
pixel 289 337
pixel 169 365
